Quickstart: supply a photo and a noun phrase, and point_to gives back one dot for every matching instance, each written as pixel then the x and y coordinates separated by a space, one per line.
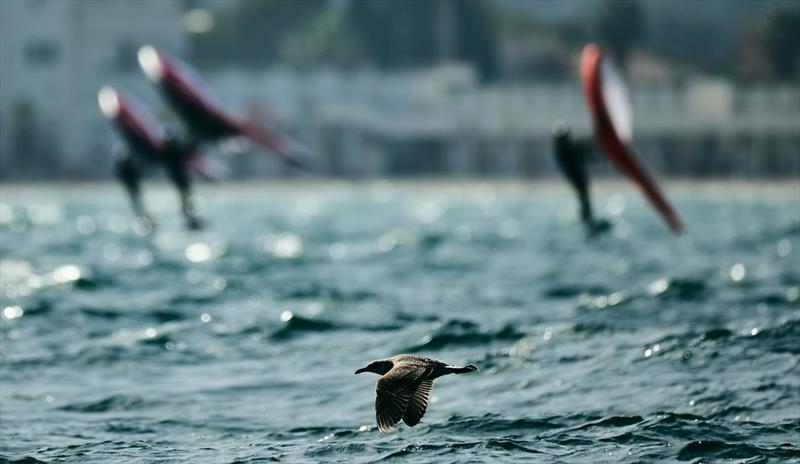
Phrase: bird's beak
pixel 363 369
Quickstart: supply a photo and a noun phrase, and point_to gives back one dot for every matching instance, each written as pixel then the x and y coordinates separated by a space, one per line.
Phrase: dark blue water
pixel 238 344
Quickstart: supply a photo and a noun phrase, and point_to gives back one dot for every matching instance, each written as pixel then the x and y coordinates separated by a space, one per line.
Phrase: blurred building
pixel 441 121
pixel 54 56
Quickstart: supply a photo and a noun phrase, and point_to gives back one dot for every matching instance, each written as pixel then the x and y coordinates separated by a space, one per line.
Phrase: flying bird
pixel 403 389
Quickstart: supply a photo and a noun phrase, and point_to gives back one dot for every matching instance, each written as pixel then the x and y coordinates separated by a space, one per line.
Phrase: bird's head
pixel 379 367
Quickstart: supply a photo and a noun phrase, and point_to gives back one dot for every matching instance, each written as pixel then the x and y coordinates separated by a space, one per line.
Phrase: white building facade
pixel 54 56
pixel 442 122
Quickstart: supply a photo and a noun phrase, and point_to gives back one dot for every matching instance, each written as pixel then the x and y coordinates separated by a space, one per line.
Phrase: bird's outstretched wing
pixel 395 391
pixel 418 403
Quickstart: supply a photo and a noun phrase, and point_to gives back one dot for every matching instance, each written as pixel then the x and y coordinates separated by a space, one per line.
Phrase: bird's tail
pixel 461 369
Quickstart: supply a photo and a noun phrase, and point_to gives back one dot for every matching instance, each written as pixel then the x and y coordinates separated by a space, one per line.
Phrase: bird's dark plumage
pixel 402 392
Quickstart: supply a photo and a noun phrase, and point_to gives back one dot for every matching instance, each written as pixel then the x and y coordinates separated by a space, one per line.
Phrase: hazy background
pixel 238 343
pixel 384 88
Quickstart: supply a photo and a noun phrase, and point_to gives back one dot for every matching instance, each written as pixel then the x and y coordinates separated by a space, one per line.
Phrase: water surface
pixel 238 344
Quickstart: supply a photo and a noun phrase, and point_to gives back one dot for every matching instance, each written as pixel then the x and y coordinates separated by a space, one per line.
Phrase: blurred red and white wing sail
pixel 198 105
pixel 618 103
pixel 292 151
pixel 208 167
pixel 137 125
pixel 610 108
pixel 140 128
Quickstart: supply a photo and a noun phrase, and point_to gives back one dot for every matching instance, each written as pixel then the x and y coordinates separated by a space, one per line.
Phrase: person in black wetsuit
pixel 129 166
pixel 572 156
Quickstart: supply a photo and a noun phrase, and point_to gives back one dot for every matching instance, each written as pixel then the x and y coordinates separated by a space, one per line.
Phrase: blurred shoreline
pixel 427 182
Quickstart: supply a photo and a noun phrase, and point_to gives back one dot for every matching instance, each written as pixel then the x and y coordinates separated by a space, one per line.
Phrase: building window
pixel 41 52
pixel 125 60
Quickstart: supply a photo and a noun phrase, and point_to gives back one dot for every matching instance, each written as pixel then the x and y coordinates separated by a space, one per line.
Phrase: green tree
pixel 619 25
pixel 782 41
pixel 328 38
pixel 398 34
pixel 251 32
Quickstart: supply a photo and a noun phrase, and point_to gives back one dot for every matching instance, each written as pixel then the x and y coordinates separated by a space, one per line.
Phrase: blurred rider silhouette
pixel 131 164
pixel 572 156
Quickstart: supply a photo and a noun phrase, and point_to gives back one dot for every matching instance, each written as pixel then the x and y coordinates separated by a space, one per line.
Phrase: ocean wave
pixel 465 333
pixel 317 291
pixel 20 460
pixel 712 342
pixel 109 403
pixel 711 449
pixel 784 338
pixel 685 289
pixel 429 449
pixel 635 348
pixel 495 423
pixel 297 325
pixel 506 446
pixel 570 291
pixel 612 421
